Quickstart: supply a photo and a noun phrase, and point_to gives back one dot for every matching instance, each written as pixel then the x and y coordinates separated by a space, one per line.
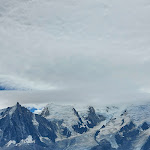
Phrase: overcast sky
pixel 71 51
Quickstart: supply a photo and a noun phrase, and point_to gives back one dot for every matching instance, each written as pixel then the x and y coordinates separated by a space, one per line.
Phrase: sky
pixel 71 51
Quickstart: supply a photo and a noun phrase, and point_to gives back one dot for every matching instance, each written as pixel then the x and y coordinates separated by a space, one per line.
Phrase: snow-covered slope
pixel 123 127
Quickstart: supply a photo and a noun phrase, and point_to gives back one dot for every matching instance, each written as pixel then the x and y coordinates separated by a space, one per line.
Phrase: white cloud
pixel 16 83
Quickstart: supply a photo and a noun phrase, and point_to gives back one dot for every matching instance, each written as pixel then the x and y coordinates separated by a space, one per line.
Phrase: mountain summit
pixel 20 126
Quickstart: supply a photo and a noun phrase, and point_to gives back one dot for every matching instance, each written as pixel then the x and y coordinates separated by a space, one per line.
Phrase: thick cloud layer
pixel 90 50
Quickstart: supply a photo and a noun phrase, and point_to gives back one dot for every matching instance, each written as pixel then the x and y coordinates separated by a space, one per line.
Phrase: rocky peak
pixel 18 123
pixel 93 119
pixel 45 112
pixel 91 110
pixel 18 104
pixel 78 116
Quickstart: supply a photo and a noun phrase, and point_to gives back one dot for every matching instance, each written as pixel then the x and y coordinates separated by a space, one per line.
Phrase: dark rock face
pixel 127 127
pixel 122 122
pixel 46 128
pixel 76 113
pixel 17 124
pixel 126 134
pixel 145 126
pixel 61 129
pixel 93 119
pixel 80 127
pixel 103 145
pixel 45 112
pixel 146 146
pixel 103 127
pixel 66 132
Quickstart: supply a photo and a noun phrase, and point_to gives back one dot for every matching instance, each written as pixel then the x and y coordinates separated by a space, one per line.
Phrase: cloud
pixel 74 51
pixel 16 83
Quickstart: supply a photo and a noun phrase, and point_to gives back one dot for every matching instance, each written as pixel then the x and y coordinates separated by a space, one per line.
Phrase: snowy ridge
pixel 7 112
pixel 10 142
pixel 117 118
pixel 28 140
pixel 140 113
pixel 61 112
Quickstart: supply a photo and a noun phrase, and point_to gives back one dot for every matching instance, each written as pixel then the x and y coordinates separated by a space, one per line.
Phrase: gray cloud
pixel 89 51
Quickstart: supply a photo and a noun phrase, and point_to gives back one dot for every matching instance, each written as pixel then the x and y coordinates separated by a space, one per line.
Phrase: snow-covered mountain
pixel 76 128
pixel 120 128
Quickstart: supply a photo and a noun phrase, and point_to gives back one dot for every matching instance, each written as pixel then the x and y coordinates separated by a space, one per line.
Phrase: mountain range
pixel 65 127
